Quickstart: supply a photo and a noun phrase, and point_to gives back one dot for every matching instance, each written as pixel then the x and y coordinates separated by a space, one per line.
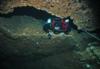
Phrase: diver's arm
pixel 75 27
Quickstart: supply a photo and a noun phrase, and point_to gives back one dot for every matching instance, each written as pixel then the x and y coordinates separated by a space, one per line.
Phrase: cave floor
pixel 31 48
pixel 38 53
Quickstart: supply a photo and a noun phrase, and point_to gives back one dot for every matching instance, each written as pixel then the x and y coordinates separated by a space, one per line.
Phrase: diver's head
pixel 67 20
pixel 49 20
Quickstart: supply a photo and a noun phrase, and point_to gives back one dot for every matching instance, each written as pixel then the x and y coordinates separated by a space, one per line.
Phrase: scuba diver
pixel 58 25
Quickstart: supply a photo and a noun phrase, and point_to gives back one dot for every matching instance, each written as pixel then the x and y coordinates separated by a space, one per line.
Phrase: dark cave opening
pixel 94 5
pixel 29 11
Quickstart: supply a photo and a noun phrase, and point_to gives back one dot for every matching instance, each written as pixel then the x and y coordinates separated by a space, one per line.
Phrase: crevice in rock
pixel 29 11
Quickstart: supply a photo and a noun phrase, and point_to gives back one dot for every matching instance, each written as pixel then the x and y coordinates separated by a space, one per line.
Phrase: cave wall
pixel 29 11
pixel 78 9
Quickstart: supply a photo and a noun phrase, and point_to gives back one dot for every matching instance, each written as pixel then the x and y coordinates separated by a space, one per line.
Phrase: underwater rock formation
pixel 23 43
pixel 78 9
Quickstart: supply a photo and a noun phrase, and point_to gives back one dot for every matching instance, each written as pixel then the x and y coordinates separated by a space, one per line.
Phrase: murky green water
pixel 33 50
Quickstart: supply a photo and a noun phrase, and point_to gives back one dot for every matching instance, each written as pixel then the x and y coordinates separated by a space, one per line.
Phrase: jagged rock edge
pixel 10 10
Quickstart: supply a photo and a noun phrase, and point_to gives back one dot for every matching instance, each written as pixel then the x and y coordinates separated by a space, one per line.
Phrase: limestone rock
pixel 78 9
